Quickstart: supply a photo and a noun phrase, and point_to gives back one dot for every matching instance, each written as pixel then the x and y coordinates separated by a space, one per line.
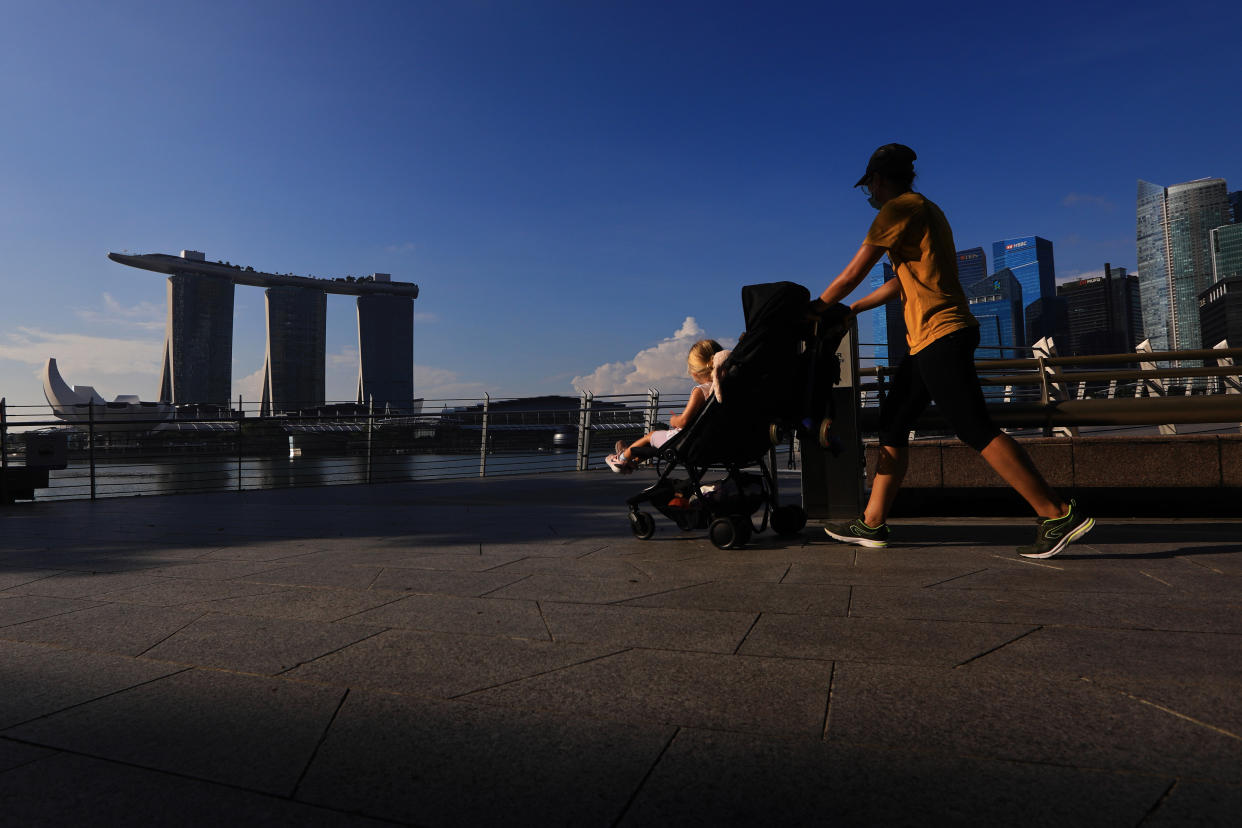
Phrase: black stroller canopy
pixel 774 303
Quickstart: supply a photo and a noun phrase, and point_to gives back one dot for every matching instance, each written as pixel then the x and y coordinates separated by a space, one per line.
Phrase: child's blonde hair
pixel 700 359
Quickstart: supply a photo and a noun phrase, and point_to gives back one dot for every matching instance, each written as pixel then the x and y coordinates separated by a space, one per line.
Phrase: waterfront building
pixel 1226 252
pixel 386 352
pixel 972 265
pixel 198 345
pixel 1220 313
pixel 197 366
pixel 297 330
pixel 1030 260
pixel 1173 234
pixel 1103 314
pixel 996 301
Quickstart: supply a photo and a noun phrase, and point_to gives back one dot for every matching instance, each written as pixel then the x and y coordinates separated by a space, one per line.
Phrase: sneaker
pixel 618 463
pixel 1057 533
pixel 858 532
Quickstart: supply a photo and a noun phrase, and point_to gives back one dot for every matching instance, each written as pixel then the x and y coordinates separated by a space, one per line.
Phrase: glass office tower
pixel 972 265
pixel 1104 315
pixel 1029 258
pixel 996 301
pixel 1173 233
pixel 1226 252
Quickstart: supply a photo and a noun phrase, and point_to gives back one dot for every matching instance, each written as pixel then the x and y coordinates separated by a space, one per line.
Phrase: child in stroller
pixel 699 364
pixel 775 385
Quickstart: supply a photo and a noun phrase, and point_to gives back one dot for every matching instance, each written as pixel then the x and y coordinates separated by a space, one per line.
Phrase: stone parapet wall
pixel 1125 476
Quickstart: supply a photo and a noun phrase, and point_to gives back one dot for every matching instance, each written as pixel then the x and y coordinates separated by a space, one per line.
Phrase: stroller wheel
pixel 723 533
pixel 824 433
pixel 788 520
pixel 642 525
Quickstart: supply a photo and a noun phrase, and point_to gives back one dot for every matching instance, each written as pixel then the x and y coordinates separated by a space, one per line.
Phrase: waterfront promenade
pixel 504 652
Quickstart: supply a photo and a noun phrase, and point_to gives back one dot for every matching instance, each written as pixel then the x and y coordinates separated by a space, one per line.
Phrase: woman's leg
pixel 1014 465
pixel 890 470
pixel 907 398
pixel 949 371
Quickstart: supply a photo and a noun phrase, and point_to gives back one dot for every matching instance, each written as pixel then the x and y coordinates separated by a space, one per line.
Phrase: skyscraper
pixel 996 301
pixel 198 344
pixel 972 265
pixel 1029 258
pixel 1220 313
pixel 1173 234
pixel 293 375
pixel 1104 314
pixel 1226 252
pixel 1235 206
pixel 386 352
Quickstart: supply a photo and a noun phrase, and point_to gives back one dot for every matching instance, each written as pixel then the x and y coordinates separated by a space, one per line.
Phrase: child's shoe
pixel 618 463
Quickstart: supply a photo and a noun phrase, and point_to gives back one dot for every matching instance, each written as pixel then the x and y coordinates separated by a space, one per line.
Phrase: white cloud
pixel 404 247
pixel 82 354
pixel 145 316
pixel 433 383
pixel 661 366
pixel 249 388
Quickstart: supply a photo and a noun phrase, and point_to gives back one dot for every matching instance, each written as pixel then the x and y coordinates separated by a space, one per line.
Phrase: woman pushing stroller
pixel 699 364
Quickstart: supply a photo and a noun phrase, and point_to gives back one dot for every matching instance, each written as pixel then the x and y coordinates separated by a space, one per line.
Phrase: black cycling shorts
pixel 944 373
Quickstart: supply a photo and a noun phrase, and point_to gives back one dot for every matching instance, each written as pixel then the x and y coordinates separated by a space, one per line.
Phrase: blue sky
pixel 579 188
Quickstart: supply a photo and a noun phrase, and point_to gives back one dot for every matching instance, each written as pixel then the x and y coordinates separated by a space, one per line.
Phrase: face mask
pixel 874 202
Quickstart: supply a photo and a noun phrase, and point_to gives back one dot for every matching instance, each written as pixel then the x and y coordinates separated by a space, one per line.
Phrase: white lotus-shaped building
pixel 80 403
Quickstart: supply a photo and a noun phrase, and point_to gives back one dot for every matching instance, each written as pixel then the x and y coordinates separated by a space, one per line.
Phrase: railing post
pixel 584 431
pixel 370 433
pixel 241 415
pixel 90 443
pixel 1231 383
pixel 1050 387
pixel 653 410
pixel 1153 386
pixel 487 399
pixel 4 453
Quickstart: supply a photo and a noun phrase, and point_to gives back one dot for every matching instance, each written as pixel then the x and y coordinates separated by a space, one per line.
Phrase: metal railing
pixel 235 449
pixel 1051 392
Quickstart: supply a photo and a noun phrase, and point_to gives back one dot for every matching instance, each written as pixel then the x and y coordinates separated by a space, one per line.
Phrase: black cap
pixel 888 160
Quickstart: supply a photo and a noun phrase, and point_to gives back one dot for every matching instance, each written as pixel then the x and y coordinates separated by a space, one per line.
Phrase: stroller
pixel 776 385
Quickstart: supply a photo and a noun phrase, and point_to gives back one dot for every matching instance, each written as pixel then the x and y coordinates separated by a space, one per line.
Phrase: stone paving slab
pixel 1057 720
pixel 827 638
pixel 105 628
pixel 248 644
pixel 441 665
pixel 249 732
pixel 713 778
pixel 737 596
pixel 685 689
pixel 68 789
pixel 40 681
pixel 461 764
pixel 454 614
pixel 499 652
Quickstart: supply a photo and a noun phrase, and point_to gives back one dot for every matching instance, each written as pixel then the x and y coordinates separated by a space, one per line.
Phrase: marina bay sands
pixel 198 345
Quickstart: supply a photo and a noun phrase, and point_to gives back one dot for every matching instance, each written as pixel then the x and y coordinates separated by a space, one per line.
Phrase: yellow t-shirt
pixel 920 246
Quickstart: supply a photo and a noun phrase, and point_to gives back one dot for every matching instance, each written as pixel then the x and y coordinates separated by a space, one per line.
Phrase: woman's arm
pixel 693 405
pixel 850 278
pixel 882 295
